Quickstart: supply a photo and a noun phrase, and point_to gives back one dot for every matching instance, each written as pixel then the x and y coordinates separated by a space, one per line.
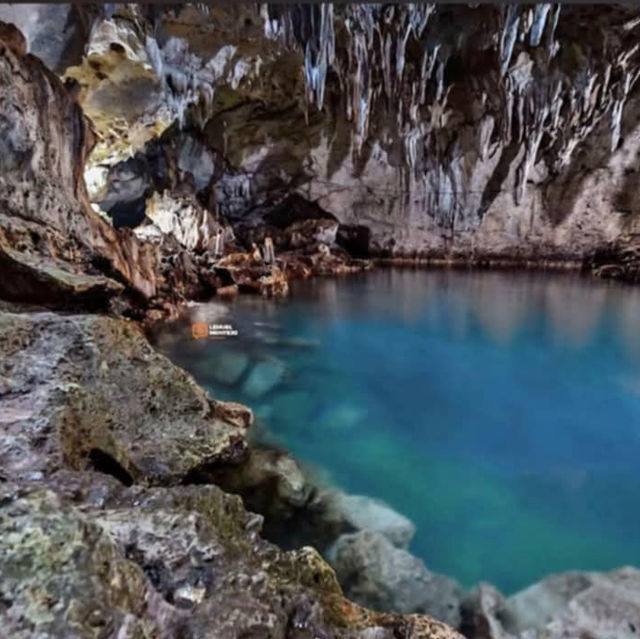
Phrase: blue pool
pixel 499 411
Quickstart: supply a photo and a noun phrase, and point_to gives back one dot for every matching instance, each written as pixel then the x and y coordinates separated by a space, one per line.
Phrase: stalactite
pixel 393 67
pixel 540 14
pixel 509 35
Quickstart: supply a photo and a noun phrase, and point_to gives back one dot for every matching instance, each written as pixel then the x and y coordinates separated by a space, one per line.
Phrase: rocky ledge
pixel 103 532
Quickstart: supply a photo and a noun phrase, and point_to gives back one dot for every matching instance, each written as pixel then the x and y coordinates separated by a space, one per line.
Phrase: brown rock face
pixel 53 247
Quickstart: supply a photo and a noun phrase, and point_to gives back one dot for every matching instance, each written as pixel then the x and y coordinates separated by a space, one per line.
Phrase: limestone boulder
pixel 381 576
pixel 566 605
pixel 84 391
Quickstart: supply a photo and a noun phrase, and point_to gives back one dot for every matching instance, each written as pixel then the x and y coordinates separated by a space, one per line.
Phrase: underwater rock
pixel 229 367
pixel 86 391
pixel 377 574
pixel 271 483
pixel 536 606
pixel 340 417
pixel 480 613
pixel 264 377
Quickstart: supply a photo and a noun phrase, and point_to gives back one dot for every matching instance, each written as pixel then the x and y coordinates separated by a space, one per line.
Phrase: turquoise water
pixel 500 412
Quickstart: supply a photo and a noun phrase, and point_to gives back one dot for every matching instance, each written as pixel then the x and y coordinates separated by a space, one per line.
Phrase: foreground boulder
pixel 181 562
pixel 62 575
pixel 85 391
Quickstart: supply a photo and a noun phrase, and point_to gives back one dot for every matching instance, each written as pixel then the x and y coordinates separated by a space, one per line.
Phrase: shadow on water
pixel 499 411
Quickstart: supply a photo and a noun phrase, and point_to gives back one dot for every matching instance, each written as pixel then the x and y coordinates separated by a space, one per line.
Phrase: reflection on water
pixel 499 411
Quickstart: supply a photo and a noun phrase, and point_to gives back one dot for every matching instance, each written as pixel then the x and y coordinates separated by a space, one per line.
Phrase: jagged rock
pixel 381 576
pixel 45 217
pixel 576 604
pixel 83 391
pixel 365 513
pixel 13 37
pixel 53 282
pixel 185 561
pixel 235 413
pixel 309 232
pixel 184 219
pixel 55 33
pixel 62 575
pixel 618 260
pixel 481 611
pixel 270 482
pixel 466 143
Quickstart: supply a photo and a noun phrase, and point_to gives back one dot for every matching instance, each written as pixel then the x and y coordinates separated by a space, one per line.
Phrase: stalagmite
pixel 219 244
pixel 269 253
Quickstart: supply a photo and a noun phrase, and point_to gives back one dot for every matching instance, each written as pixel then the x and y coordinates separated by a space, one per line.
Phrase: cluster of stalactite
pixel 395 67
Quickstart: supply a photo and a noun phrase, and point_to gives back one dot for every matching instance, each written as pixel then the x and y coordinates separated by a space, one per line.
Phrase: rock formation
pixel 578 604
pixel 150 156
pixel 479 133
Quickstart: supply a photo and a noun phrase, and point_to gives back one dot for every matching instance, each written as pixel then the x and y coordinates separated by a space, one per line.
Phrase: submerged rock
pixel 575 604
pixel 229 366
pixel 377 574
pixel 264 377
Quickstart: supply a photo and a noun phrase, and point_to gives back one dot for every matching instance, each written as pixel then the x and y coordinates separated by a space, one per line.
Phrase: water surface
pixel 500 412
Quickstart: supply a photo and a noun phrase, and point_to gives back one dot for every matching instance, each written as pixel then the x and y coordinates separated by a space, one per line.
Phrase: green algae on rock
pixel 166 562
